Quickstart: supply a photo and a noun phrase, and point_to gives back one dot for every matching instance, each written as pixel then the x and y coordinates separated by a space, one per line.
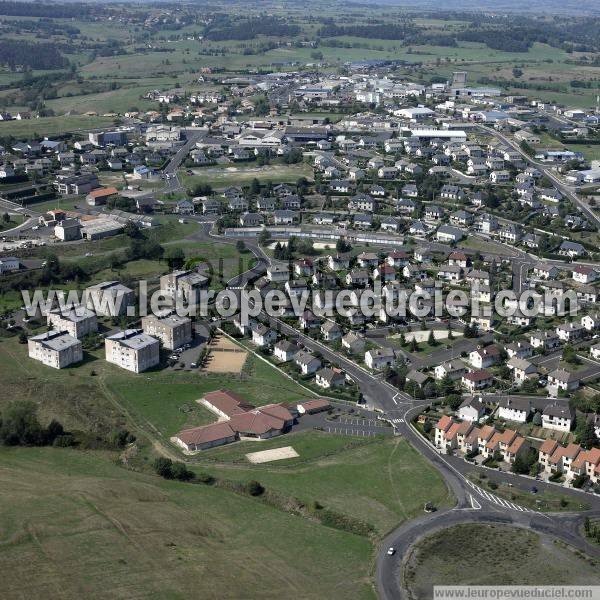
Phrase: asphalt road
pixel 565 190
pixel 473 504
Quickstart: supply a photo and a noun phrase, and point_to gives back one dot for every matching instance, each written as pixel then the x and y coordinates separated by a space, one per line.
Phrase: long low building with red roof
pixel 238 419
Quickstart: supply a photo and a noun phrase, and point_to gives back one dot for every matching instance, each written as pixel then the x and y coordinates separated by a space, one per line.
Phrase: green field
pixel 244 173
pixel 505 556
pixel 161 408
pixel 75 525
pixel 310 445
pixel 383 482
pixel 51 126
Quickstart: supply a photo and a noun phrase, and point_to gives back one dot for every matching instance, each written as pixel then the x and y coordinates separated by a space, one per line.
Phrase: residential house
pixel 477 380
pixel 329 378
pixel 307 363
pixel 558 416
pixel 379 358
pixel 285 350
pixel 472 409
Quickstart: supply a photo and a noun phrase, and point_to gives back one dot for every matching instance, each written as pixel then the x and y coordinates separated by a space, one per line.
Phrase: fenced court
pixel 225 356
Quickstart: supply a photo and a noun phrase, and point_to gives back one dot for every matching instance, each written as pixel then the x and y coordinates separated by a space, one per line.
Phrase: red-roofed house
pixel 441 427
pixel 546 451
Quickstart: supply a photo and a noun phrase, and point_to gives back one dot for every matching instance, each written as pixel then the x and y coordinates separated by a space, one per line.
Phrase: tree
pixel 342 245
pixel 131 230
pixel 6 217
pixel 22 338
pixel 240 246
pixel 530 385
pixel 453 401
pixel 255 187
pixel 585 434
pixel 431 339
pixel 446 385
pixel 20 425
pixel 54 430
pixel 181 472
pixel 524 461
pixel 175 258
pixel 254 488
pixel 570 356
pixel 414 347
pixel 537 419
pixel 264 237
pixel 163 467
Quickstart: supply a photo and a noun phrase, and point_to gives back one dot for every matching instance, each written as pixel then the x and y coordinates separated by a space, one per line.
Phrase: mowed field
pixel 74 525
pixel 383 482
pixel 243 173
pixel 505 556
pixel 45 126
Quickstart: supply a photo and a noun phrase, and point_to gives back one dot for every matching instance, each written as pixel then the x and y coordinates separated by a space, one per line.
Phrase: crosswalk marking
pixel 496 500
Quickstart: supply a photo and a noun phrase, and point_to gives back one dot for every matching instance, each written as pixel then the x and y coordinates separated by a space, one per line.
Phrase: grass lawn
pixel 310 445
pixel 75 525
pixel 516 557
pixel 114 101
pixel 70 395
pixel 160 399
pixel 382 482
pixel 243 173
pixel 51 125
pixel 543 501
pixel 10 300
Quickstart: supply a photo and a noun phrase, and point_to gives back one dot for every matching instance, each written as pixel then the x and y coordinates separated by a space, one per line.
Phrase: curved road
pixel 473 504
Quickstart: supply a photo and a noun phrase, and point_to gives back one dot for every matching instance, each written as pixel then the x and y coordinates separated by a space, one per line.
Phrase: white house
pixel 307 363
pixel 379 358
pixel 262 335
pixel 285 350
pixel 472 409
pixel 557 416
pixel 328 378
pixel 514 408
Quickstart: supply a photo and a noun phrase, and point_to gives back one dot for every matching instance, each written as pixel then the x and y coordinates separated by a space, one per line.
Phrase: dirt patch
pixel 225 356
pixel 271 455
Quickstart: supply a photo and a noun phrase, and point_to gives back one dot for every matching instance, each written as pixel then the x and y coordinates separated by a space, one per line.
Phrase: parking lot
pixel 357 431
pixel 362 424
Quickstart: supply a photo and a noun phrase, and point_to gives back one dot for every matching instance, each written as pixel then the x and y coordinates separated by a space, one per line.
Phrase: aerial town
pixel 348 299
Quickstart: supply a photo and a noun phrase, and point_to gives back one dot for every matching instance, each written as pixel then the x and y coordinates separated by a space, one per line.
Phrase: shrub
pixel 181 472
pixel 20 426
pixel 203 477
pixel 254 488
pixel 63 441
pixel 163 467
